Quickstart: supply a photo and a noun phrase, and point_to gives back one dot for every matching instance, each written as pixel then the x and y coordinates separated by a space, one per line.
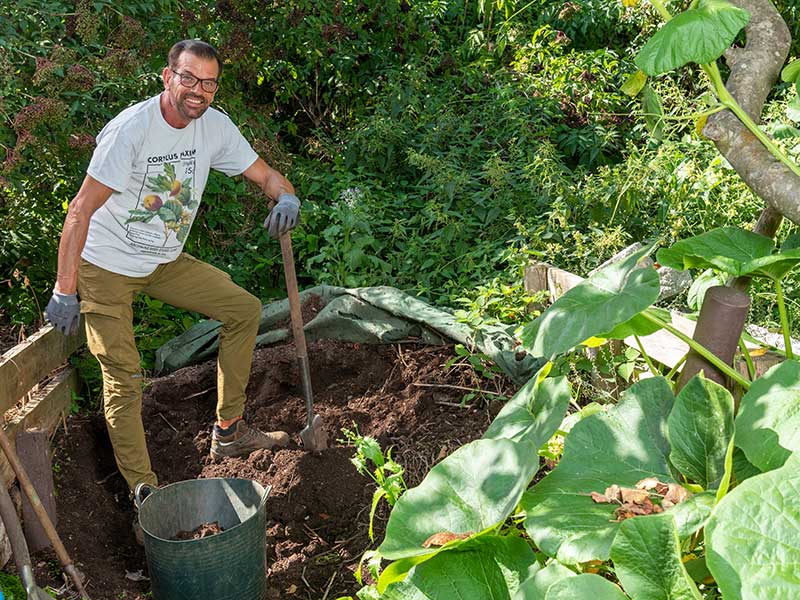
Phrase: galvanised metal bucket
pixel 227 566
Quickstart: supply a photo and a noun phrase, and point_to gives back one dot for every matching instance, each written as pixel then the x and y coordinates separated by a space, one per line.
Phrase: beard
pixel 188 110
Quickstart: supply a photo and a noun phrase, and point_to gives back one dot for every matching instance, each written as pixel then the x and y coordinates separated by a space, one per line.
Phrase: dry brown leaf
pixel 632 509
pixel 648 483
pixel 676 494
pixel 613 493
pixel 634 496
pixel 444 537
pixel 600 498
pixel 661 488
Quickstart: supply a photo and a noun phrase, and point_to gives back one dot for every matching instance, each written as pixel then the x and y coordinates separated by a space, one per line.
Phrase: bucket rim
pixel 264 495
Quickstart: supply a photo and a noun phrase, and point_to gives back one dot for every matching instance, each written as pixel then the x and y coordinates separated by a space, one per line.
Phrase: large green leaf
pixel 534 413
pixel 536 586
pixel 487 568
pixel 752 539
pixel 733 250
pixel 697 292
pixel 774 266
pixel 700 428
pixel 725 248
pixel 638 325
pixel 474 488
pixel 621 446
pixel 692 514
pixel 768 423
pixel 647 560
pixel 698 35
pixel 584 587
pixel 743 468
pixel 609 297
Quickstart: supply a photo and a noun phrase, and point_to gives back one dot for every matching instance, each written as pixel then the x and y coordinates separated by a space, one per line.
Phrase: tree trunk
pixel 754 70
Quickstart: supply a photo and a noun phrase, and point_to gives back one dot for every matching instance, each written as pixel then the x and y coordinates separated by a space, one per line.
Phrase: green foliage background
pixel 437 145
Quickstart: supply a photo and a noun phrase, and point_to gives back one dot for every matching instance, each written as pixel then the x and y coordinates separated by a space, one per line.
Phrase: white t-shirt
pixel 158 174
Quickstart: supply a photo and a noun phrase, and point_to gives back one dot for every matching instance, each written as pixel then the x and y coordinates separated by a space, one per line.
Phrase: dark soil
pixel 318 510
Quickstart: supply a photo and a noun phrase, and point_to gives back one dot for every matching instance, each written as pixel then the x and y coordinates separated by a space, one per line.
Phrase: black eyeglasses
pixel 189 81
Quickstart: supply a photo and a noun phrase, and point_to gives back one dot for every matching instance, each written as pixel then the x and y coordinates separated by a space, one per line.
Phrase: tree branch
pixel 754 70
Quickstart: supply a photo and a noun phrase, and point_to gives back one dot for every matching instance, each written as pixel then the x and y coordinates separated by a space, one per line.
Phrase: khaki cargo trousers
pixel 186 282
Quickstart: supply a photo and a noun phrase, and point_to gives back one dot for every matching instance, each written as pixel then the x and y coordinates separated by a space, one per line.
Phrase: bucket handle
pixel 141 492
pixel 267 490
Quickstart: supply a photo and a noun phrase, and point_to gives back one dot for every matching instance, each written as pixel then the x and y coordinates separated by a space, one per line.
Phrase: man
pixel 124 233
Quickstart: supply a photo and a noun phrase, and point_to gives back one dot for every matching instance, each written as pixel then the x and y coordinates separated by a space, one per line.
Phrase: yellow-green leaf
pixel 594 342
pixel 700 124
pixel 634 83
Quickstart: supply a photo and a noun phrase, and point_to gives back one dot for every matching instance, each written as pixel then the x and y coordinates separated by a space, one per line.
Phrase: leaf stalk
pixel 701 350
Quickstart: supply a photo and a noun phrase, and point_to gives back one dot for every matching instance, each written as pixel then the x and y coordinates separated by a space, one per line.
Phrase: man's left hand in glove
pixel 64 312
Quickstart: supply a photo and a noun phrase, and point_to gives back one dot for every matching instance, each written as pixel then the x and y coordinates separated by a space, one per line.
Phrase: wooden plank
pixel 44 410
pixel 536 277
pixel 664 347
pixel 560 281
pixel 535 282
pixel 33 449
pixel 26 364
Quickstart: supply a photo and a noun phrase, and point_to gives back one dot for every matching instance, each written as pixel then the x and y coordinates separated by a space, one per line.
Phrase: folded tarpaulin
pixel 375 315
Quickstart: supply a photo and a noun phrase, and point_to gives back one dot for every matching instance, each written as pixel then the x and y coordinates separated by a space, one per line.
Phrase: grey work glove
pixel 64 312
pixel 283 216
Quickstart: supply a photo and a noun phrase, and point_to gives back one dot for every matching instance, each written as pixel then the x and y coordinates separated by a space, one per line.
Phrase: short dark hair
pixel 196 47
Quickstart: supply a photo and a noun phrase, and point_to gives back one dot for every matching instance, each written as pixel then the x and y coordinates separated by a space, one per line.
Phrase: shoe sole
pixel 219 456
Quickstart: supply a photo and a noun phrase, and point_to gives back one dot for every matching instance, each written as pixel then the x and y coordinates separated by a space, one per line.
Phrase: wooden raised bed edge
pixel 38 396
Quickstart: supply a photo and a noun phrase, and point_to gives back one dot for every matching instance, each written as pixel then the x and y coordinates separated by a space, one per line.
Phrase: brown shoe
pixel 244 440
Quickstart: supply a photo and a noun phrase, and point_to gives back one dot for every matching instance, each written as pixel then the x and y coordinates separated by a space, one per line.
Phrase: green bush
pixel 437 146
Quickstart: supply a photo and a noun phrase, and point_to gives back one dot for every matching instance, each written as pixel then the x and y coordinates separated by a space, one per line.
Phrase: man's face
pixel 189 103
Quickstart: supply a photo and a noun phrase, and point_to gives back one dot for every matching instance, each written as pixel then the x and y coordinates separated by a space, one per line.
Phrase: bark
pixel 754 70
pixel 767 224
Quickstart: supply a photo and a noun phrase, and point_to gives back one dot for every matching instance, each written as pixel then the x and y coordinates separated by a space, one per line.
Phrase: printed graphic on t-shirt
pixel 167 194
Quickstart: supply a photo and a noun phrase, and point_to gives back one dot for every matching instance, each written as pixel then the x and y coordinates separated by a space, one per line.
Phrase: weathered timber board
pixel 44 411
pixel 26 364
pixel 33 450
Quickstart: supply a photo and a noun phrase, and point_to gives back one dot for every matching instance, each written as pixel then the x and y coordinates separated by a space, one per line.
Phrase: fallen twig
pixel 106 478
pixel 330 583
pixel 456 387
pixel 401 357
pixel 304 580
pixel 454 405
pixel 314 535
pixel 167 422
pixel 196 394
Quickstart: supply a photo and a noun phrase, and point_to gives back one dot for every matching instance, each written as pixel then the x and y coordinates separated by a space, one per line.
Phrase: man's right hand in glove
pixel 64 312
pixel 283 216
